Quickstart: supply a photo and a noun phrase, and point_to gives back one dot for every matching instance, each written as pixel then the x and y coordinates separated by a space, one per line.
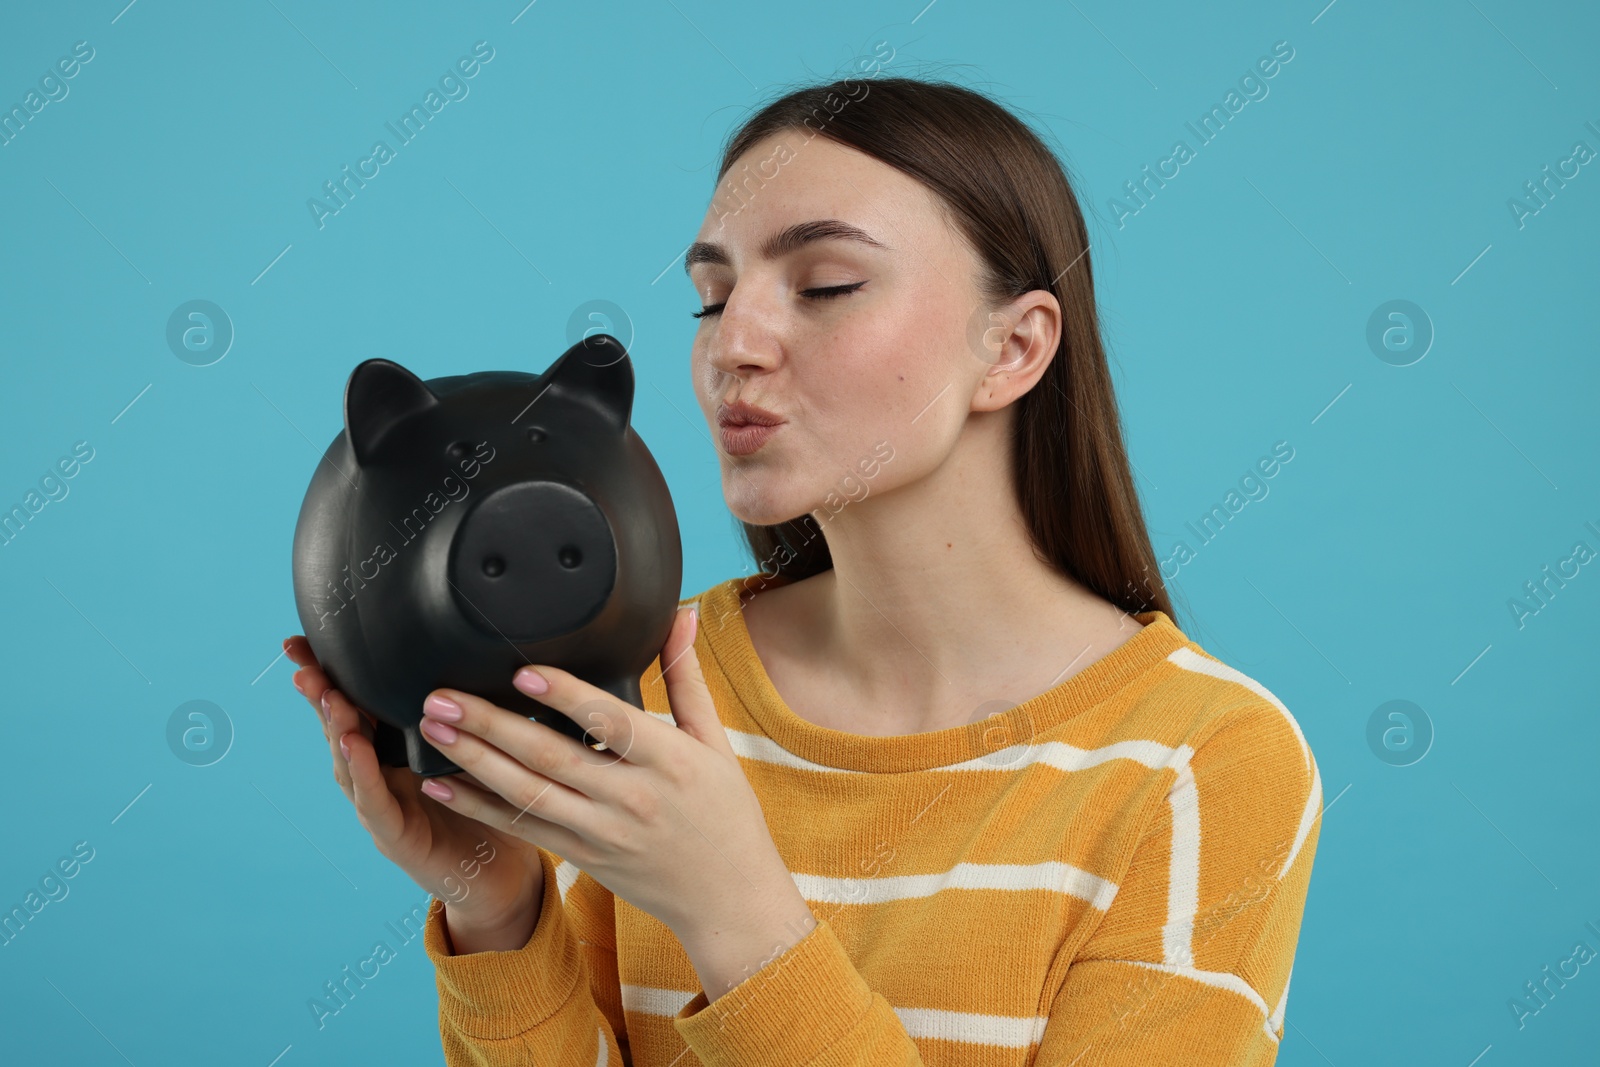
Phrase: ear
pixel 1018 348
pixel 380 395
pixel 597 373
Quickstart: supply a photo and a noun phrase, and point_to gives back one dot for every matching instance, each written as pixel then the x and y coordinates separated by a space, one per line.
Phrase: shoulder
pixel 1218 728
pixel 1214 707
pixel 1249 763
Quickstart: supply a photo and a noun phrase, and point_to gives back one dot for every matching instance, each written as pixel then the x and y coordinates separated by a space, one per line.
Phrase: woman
pixel 946 783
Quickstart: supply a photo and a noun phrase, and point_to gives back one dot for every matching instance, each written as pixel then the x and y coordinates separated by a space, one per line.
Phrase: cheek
pixel 873 421
pixel 703 378
pixel 887 386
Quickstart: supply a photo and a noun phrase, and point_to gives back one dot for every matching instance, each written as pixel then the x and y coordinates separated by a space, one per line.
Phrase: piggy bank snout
pixel 533 560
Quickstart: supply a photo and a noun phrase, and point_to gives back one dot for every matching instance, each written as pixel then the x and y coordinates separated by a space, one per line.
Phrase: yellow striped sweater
pixel 1110 873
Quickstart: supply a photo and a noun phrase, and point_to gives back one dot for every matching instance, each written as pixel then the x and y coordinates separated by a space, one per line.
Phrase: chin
pixel 762 499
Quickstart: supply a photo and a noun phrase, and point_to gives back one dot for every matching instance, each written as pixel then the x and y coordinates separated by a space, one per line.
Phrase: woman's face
pixel 880 368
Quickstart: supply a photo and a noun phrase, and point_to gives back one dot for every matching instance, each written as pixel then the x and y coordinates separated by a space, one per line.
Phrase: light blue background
pixel 1235 305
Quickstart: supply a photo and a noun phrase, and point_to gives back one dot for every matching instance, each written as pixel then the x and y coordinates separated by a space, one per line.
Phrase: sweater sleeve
pixel 554 1001
pixel 1191 962
pixel 808 1007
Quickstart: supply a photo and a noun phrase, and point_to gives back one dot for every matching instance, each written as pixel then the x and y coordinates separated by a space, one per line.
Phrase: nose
pixel 744 342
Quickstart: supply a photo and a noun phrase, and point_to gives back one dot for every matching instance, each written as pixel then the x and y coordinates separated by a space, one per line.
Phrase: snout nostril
pixel 569 556
pixel 494 566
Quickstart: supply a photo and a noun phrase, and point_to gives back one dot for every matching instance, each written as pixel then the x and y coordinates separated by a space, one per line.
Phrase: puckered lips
pixel 744 427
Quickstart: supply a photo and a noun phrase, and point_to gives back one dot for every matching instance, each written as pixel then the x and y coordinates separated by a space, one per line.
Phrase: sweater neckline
pixel 981 743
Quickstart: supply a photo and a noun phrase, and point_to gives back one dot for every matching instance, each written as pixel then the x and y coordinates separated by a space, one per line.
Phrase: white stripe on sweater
pixel 931 1024
pixel 1005 1031
pixel 647 1000
pixel 1215 979
pixel 1058 754
pixel 566 874
pixel 1050 876
pixel 1183 871
pixel 1184 875
pixel 1274 1021
pixel 1191 660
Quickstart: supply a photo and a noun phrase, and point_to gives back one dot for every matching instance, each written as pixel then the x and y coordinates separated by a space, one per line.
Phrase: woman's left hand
pixel 663 817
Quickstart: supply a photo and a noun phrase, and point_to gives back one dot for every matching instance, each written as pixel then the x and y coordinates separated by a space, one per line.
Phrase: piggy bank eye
pixel 458 449
pixel 536 434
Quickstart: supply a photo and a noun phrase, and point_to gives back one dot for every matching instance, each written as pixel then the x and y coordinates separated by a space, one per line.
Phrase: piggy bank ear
pixel 380 395
pixel 597 373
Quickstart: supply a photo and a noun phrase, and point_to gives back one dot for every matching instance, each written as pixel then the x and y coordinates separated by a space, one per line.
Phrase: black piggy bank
pixel 462 527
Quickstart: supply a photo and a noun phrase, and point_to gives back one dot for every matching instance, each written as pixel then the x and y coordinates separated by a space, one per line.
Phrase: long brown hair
pixel 1011 198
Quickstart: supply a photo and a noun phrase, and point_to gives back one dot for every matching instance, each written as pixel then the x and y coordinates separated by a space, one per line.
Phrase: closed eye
pixel 827 293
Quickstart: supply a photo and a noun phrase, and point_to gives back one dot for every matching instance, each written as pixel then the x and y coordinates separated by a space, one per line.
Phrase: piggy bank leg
pixel 390 744
pixel 422 757
pixel 407 747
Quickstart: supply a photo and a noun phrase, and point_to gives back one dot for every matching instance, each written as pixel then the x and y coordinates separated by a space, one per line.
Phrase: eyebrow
pixel 784 242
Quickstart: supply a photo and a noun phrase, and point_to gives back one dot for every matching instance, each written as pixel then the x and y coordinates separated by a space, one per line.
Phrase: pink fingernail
pixel 438 790
pixel 531 682
pixel 439 731
pixel 344 747
pixel 441 708
pixel 295 678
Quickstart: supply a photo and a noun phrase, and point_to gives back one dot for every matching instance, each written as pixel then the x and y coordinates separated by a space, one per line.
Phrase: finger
pixel 310 680
pixel 342 719
pixel 376 805
pixel 687 694
pixel 312 683
pixel 299 650
pixel 629 733
pixel 483 805
pixel 469 779
pixel 532 779
pixel 537 746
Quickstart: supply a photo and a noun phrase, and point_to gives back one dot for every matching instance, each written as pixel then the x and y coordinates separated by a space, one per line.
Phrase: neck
pixel 937 604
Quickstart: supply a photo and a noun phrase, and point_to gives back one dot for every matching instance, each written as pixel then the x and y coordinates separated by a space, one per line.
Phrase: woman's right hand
pixel 492 884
